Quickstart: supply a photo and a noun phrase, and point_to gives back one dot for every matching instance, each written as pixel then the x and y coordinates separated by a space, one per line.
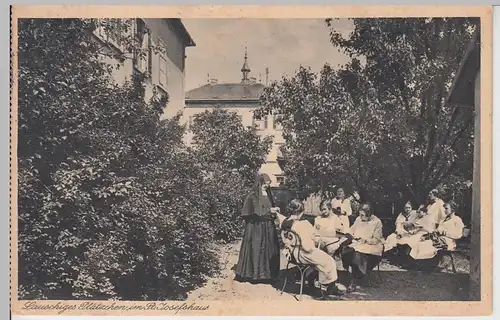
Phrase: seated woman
pixel 420 248
pixel 405 227
pixel 365 252
pixel 330 232
pixel 450 230
pixel 308 252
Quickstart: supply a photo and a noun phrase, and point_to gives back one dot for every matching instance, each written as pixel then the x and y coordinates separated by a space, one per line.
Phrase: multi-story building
pixel 242 98
pixel 159 52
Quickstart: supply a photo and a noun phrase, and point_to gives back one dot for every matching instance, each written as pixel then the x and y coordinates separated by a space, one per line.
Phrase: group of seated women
pixel 425 231
pixel 361 245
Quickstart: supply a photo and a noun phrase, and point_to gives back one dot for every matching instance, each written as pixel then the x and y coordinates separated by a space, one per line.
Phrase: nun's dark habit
pixel 259 258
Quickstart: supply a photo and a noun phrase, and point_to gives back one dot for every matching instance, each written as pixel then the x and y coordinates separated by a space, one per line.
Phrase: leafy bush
pixel 226 192
pixel 110 201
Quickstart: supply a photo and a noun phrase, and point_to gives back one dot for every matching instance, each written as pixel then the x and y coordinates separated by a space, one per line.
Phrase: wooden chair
pixel 293 252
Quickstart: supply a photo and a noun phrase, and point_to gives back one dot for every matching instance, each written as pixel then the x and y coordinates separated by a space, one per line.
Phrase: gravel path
pixel 394 283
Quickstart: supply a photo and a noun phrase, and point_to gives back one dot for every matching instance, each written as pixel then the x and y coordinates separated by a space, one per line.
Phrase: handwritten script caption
pixel 63 306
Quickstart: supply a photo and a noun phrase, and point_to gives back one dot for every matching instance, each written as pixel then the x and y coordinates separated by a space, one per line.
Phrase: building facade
pixel 242 98
pixel 155 48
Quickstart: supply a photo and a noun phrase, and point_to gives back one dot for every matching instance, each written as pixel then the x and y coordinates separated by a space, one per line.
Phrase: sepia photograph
pixel 332 159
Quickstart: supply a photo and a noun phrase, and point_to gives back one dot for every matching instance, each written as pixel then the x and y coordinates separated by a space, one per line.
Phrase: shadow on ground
pixel 393 286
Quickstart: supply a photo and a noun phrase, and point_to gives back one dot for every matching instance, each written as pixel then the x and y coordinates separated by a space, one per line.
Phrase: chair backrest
pixel 295 246
pixel 465 232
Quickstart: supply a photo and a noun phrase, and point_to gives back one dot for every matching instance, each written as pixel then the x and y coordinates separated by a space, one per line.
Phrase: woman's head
pixel 340 193
pixel 366 212
pixel 433 195
pixel 295 207
pixel 449 208
pixel 325 207
pixel 263 181
pixel 408 207
pixel 422 210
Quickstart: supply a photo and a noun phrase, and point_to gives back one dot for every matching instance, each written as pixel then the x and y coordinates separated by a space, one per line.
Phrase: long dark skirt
pixel 360 263
pixel 259 258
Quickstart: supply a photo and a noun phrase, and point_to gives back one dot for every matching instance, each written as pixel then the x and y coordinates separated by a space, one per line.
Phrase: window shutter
pixel 149 54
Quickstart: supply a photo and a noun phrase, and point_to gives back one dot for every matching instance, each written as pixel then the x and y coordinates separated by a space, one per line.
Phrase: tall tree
pixel 380 124
pixel 220 137
pixel 230 155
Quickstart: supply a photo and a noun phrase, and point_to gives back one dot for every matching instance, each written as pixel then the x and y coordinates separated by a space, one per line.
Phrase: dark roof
pixel 463 87
pixel 186 37
pixel 226 91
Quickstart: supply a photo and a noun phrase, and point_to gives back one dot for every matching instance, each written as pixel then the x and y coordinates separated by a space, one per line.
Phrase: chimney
pixel 267 75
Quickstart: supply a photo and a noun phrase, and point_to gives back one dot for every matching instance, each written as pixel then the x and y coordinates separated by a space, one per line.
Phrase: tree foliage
pixel 379 124
pixel 220 138
pixel 231 155
pixel 110 202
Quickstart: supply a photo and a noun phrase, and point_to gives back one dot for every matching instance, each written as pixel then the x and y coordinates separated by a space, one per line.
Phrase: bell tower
pixel 245 70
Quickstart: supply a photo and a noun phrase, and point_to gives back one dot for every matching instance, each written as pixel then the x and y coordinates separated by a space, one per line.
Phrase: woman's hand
pixel 275 210
pixel 408 225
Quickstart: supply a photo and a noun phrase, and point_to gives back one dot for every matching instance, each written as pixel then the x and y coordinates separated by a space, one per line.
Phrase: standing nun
pixel 259 258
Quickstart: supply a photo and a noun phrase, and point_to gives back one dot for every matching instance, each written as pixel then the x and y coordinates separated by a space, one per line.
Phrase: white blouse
pixel 371 232
pixel 401 219
pixel 344 204
pixel 305 230
pixel 328 226
pixel 452 226
pixel 436 211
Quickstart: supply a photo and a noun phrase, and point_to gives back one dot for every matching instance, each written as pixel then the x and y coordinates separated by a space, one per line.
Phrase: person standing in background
pixel 435 207
pixel 343 205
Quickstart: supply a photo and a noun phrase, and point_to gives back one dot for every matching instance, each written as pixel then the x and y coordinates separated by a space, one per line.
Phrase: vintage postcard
pixel 251 160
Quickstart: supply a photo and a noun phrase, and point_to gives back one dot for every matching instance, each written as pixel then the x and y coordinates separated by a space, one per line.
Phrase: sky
pixel 282 45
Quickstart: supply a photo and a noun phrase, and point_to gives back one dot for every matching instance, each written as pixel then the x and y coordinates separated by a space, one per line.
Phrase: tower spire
pixel 245 70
